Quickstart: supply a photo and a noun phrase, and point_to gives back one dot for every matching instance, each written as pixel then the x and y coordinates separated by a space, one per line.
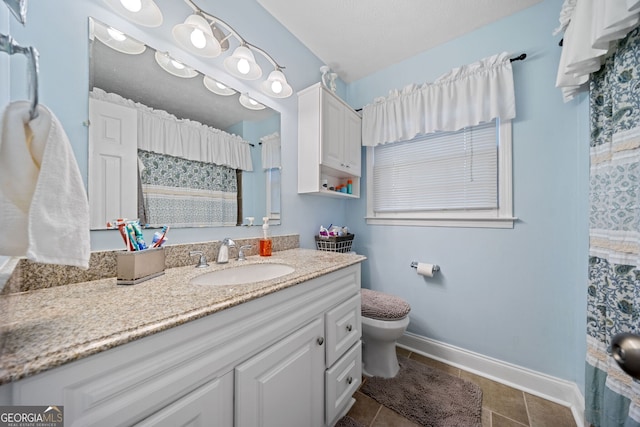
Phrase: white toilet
pixel 384 320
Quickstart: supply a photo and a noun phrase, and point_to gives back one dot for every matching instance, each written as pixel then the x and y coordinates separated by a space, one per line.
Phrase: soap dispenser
pixel 265 242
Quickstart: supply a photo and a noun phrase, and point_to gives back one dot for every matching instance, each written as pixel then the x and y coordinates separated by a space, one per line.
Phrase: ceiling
pixel 359 37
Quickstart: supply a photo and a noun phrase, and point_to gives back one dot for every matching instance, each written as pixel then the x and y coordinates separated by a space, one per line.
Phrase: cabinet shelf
pixel 337 194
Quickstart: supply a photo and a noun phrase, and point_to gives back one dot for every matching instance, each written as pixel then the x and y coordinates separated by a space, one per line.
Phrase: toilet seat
pixel 381 306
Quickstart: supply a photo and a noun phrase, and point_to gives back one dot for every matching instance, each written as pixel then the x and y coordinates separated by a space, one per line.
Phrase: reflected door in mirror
pixel 113 190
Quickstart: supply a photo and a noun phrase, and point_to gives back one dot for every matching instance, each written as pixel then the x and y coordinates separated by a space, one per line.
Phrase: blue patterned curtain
pixel 612 398
pixel 187 193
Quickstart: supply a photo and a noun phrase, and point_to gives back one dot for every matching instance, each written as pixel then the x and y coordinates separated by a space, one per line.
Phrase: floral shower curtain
pixel 187 193
pixel 612 398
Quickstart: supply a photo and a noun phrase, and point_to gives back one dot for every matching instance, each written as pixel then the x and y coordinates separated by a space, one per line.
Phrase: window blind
pixel 440 171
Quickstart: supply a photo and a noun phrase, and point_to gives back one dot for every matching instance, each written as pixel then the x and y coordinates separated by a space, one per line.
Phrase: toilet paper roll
pixel 425 269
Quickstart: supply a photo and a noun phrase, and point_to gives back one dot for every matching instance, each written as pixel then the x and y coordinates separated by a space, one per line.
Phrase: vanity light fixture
pixel 117 40
pixel 242 63
pixel 216 87
pixel 143 12
pixel 276 85
pixel 173 66
pixel 250 103
pixel 196 36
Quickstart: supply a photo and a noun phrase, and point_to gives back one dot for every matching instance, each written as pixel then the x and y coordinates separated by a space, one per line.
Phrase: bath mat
pixel 428 396
pixel 347 421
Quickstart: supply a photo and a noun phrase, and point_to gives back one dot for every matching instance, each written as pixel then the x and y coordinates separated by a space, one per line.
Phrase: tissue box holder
pixel 138 266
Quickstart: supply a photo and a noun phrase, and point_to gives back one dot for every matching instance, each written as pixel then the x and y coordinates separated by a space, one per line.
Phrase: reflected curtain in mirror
pixel 187 169
pixel 187 193
pixel 272 165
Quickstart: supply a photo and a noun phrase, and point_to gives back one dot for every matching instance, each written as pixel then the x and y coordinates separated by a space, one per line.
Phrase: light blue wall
pixel 517 295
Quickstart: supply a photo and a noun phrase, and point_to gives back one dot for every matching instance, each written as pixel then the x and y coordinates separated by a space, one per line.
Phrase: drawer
pixel 341 382
pixel 343 328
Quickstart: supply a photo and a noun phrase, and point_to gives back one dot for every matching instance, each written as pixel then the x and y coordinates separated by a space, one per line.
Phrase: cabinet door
pixel 283 385
pixel 332 132
pixel 210 405
pixel 353 143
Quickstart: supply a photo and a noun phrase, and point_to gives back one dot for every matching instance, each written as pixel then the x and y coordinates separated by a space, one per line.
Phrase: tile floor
pixel 502 406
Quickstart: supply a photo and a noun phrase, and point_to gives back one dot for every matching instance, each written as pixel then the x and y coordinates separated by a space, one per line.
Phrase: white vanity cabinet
pixel 265 362
pixel 211 404
pixel 329 142
pixel 282 385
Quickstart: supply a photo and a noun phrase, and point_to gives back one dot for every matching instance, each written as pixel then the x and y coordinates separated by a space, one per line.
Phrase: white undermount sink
pixel 242 274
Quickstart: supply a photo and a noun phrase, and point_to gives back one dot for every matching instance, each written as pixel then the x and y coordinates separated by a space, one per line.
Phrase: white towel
pixel 44 212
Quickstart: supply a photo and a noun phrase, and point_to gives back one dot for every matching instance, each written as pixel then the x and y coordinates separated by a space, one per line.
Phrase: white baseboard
pixel 554 389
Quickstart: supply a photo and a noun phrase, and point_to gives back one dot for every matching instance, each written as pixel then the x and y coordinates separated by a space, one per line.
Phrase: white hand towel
pixel 44 212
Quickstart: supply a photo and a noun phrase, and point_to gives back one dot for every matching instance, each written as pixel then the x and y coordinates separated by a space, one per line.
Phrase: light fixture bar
pixel 229 28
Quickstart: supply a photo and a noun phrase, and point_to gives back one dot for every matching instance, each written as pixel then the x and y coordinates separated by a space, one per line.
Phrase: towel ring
pixel 9 45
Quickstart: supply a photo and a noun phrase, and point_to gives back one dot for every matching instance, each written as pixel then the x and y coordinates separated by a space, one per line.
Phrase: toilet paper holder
pixel 414 264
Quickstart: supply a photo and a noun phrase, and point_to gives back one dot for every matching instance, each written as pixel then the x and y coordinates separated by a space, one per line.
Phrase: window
pixel 453 179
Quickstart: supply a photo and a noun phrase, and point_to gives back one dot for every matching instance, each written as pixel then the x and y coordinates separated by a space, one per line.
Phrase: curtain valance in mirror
pixel 161 132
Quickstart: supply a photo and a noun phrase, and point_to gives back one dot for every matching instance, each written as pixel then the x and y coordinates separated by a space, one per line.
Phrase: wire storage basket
pixel 340 244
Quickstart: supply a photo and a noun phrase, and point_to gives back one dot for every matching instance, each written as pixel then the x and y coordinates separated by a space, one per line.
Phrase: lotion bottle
pixel 265 242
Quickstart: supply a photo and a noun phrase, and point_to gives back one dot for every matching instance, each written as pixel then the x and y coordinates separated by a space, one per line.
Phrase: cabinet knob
pixel 349 380
pixel 349 328
pixel 320 340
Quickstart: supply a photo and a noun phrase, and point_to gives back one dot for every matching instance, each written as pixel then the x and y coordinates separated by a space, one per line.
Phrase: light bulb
pixel 177 64
pixel 221 86
pixel 276 86
pixel 243 66
pixel 198 39
pixel 116 35
pixel 253 101
pixel 132 5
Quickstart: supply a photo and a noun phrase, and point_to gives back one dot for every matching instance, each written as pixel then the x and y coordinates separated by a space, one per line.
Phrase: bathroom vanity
pixel 282 352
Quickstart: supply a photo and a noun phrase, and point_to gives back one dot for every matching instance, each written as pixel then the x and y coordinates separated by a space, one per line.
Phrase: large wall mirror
pixel 172 146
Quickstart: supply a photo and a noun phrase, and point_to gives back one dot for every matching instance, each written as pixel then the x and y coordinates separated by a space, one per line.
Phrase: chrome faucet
pixel 202 262
pixel 223 252
pixel 241 249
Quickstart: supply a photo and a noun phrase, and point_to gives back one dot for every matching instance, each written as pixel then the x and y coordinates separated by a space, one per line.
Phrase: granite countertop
pixel 46 328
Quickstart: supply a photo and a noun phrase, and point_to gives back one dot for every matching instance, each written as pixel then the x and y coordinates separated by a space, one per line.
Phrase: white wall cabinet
pixel 262 363
pixel 329 142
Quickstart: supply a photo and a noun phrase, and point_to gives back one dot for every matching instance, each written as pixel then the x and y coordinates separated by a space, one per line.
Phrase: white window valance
pixel 465 96
pixel 271 151
pixel 161 132
pixel 590 29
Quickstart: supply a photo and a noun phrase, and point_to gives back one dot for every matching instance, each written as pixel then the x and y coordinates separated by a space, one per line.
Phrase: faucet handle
pixel 241 249
pixel 202 262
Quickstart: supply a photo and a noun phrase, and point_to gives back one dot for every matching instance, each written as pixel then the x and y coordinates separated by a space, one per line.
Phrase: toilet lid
pixel 381 306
